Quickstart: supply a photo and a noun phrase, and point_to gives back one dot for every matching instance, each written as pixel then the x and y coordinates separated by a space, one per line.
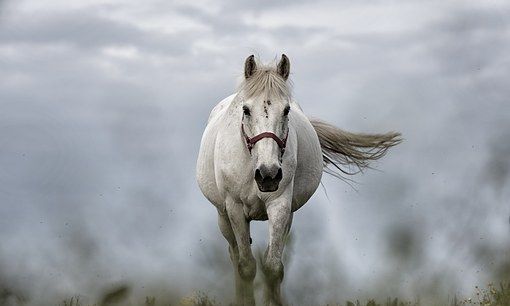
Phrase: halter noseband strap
pixel 250 142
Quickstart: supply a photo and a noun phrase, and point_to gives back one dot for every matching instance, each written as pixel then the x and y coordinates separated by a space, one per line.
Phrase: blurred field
pixel 491 295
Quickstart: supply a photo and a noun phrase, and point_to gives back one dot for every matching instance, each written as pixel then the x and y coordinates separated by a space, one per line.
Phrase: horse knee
pixel 247 268
pixel 273 269
pixel 234 254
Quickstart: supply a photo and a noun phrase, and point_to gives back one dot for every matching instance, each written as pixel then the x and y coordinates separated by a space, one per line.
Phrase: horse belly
pixel 205 167
pixel 309 163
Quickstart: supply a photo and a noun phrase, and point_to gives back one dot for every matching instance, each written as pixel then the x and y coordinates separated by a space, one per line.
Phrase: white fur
pixel 226 169
pixel 225 174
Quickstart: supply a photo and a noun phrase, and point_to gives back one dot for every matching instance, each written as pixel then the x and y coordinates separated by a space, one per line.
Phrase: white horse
pixel 261 158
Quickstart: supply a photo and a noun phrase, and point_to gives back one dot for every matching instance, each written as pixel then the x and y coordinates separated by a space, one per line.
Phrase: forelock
pixel 265 82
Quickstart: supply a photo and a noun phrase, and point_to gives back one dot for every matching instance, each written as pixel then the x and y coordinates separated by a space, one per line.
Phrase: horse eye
pixel 286 110
pixel 246 111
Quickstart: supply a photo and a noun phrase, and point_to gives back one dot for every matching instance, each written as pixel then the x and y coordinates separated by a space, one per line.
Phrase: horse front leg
pixel 246 265
pixel 228 233
pixel 280 219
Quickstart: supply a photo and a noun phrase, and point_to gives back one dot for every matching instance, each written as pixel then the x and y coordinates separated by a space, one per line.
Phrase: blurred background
pixel 102 107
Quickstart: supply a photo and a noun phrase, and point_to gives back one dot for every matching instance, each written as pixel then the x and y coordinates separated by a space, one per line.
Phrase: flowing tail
pixel 342 151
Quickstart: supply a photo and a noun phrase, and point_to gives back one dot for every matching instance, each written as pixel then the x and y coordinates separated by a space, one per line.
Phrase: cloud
pixel 102 109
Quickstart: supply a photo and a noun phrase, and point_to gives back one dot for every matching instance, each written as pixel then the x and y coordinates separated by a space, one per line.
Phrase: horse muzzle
pixel 268 178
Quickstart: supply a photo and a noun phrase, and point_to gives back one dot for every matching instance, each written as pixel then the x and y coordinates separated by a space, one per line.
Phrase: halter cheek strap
pixel 250 142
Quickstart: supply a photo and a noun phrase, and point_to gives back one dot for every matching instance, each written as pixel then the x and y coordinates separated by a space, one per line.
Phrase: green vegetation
pixel 489 296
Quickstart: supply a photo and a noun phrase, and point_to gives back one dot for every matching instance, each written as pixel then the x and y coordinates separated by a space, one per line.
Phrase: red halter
pixel 250 142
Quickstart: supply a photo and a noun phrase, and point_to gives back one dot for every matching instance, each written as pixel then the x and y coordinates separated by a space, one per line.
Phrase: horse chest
pixel 255 209
pixel 238 183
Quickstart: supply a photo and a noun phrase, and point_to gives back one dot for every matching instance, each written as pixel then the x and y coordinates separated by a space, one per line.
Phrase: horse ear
pixel 249 66
pixel 284 67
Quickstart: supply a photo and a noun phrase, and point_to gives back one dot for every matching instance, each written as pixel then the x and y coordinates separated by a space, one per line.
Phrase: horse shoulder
pixel 231 160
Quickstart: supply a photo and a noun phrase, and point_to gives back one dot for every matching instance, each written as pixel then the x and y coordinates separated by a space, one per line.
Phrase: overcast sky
pixel 103 103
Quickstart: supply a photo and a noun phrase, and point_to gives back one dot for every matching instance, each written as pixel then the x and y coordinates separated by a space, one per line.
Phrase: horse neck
pixel 231 115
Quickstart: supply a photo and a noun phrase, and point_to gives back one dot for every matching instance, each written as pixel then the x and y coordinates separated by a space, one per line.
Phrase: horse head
pixel 265 111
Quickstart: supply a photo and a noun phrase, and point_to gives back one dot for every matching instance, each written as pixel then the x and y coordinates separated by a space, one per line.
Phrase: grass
pixel 490 296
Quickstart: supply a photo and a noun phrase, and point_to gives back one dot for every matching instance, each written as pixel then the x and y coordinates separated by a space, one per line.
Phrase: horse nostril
pixel 264 173
pixel 268 178
pixel 279 175
pixel 258 175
